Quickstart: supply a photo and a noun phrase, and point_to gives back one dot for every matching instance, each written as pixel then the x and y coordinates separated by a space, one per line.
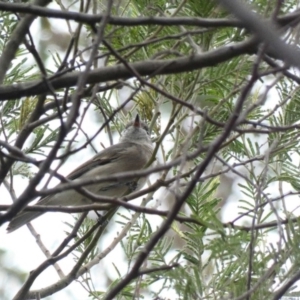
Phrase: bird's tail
pixel 22 219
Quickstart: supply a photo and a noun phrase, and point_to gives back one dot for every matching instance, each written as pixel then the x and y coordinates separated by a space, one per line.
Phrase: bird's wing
pixel 104 157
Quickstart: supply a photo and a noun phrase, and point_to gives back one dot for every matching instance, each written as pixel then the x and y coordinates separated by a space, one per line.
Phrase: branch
pixel 123 21
pixel 144 68
pixel 265 30
pixel 16 39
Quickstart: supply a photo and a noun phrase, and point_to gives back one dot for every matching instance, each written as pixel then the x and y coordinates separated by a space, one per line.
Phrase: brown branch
pixel 124 21
pixel 144 68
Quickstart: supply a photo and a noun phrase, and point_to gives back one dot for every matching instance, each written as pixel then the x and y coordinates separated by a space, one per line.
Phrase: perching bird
pixel 131 154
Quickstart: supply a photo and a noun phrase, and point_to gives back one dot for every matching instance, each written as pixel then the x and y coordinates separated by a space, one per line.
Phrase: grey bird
pixel 132 153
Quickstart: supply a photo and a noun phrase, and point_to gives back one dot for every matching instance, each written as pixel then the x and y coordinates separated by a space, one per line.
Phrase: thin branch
pixel 124 21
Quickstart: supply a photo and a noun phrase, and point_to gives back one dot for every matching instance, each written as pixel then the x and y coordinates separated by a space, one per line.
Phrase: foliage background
pixel 219 89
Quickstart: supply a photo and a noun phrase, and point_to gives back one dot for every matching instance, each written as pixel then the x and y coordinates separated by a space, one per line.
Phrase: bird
pixel 132 153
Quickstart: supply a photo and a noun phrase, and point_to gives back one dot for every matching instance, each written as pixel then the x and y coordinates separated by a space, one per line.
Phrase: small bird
pixel 132 153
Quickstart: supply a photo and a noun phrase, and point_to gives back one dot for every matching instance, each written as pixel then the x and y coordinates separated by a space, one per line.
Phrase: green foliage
pixel 227 237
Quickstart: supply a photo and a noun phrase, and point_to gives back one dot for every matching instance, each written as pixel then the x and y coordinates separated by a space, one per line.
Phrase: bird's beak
pixel 137 122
